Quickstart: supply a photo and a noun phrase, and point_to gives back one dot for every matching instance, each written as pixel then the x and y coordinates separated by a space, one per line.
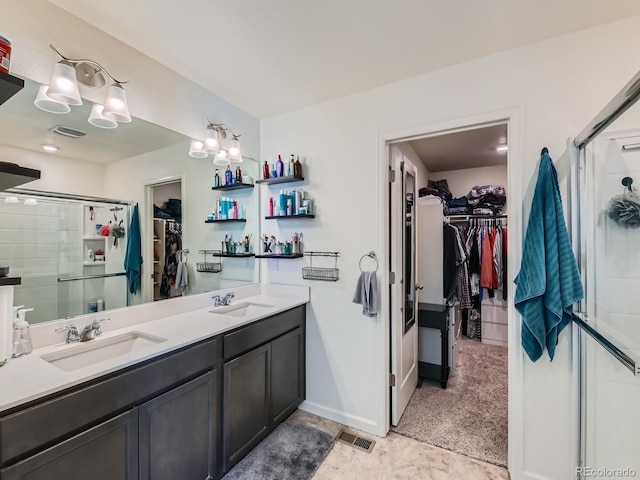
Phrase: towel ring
pixel 372 255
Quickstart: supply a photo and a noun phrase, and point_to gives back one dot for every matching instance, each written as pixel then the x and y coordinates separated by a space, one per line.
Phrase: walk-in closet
pixel 459 212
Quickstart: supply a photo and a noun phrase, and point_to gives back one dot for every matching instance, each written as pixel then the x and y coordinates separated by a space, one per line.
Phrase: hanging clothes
pixel 173 244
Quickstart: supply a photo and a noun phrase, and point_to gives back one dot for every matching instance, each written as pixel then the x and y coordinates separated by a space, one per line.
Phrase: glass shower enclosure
pixel 608 227
pixel 54 243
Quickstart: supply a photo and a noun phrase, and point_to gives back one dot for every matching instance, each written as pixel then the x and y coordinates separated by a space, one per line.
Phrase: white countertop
pixel 30 377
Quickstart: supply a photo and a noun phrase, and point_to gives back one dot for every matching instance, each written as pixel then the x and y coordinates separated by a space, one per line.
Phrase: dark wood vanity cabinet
pixel 190 414
pixel 264 380
pixel 107 451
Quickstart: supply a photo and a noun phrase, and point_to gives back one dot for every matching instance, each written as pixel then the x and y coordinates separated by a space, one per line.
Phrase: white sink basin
pixel 96 351
pixel 243 309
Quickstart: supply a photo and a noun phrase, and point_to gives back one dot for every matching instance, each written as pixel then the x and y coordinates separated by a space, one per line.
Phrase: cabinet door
pixel 246 404
pixel 287 375
pixel 177 432
pixel 108 451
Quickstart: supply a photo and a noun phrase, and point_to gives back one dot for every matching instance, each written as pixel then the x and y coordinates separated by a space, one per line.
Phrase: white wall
pixel 557 85
pixel 462 181
pixel 58 173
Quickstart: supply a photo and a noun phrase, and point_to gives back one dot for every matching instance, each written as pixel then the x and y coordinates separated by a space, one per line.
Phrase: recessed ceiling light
pixel 50 148
pixel 502 148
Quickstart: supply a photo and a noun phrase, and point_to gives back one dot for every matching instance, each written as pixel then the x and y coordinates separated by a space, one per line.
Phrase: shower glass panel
pixel 610 266
pixel 46 241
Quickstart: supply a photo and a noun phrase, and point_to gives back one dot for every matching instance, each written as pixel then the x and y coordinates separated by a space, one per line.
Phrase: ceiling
pixel 269 57
pixel 467 149
pixel 23 125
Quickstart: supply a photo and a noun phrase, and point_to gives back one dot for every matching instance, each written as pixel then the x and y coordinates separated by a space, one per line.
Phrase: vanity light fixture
pixel 11 199
pixel 31 202
pixel 220 141
pixel 63 91
pixel 502 148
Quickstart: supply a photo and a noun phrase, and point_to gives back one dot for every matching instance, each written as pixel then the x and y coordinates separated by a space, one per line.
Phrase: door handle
pixel 419 287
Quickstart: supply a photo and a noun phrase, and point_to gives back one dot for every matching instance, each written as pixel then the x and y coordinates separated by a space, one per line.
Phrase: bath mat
pixel 293 451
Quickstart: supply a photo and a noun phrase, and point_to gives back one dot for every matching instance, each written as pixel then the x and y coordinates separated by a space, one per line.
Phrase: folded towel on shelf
pixel 367 294
pixel 133 256
pixel 548 283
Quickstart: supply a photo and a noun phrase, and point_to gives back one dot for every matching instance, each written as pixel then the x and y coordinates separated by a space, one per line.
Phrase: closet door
pixel 404 327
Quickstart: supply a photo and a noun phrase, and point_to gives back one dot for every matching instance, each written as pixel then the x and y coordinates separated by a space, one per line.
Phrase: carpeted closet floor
pixel 470 415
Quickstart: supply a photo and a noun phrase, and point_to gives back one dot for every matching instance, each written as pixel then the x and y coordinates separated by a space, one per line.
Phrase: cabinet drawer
pixel 261 332
pixel 68 413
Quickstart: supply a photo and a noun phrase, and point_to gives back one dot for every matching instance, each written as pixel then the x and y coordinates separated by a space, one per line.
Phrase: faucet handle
pixel 73 335
pixel 95 325
pixel 217 301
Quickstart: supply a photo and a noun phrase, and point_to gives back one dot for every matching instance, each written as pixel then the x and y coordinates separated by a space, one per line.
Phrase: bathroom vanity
pixel 183 411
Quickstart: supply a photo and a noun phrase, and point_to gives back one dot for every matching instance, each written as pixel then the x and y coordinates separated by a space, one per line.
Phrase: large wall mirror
pixel 53 229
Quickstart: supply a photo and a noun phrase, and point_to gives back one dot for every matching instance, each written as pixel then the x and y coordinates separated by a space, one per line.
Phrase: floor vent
pixel 355 441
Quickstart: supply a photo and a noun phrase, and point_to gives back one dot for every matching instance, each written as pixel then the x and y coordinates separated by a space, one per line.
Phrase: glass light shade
pixel 221 158
pixel 64 86
pixel 115 106
pixel 97 119
pixel 196 150
pixel 48 104
pixel 11 200
pixel 211 141
pixel 234 150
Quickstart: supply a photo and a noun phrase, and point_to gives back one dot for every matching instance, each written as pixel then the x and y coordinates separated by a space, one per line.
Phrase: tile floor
pixel 396 458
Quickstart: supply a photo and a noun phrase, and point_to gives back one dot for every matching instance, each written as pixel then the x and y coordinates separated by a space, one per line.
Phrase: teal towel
pixel 133 257
pixel 549 281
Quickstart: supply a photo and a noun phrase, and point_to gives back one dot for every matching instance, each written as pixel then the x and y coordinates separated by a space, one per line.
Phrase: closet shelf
pixel 93 237
pixel 94 264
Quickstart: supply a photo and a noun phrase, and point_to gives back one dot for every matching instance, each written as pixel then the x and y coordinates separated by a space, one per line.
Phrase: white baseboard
pixel 353 421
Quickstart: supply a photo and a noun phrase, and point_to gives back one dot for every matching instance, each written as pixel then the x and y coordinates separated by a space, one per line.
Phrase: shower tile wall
pixel 613 283
pixel 31 244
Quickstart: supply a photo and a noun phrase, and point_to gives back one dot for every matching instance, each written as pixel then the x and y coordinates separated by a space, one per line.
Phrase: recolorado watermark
pixel 590 472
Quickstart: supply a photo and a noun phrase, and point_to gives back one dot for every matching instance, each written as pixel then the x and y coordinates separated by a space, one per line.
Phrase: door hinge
pixel 392 176
pixel 392 278
pixel 392 380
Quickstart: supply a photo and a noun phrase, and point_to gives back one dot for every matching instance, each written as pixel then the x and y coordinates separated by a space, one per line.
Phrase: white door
pixel 404 321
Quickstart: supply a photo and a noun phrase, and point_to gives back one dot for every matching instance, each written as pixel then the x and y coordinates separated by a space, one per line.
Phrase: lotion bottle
pixel 22 344
pixel 279 167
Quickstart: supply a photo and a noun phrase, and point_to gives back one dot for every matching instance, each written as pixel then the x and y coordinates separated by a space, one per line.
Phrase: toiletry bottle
pixel 298 168
pixel 273 170
pixel 216 179
pixel 224 210
pixel 266 172
pixel 289 207
pixel 279 167
pixel 238 174
pixel 235 209
pixel 292 166
pixel 21 336
pixel 100 303
pixel 90 256
pixel 271 206
pixel 228 176
pixel 282 204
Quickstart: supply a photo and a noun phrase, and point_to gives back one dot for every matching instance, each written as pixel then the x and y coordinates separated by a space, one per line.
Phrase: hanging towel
pixel 548 283
pixel 133 257
pixel 367 294
pixel 182 276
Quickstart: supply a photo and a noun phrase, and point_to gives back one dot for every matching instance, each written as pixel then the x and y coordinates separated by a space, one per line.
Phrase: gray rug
pixel 470 415
pixel 293 451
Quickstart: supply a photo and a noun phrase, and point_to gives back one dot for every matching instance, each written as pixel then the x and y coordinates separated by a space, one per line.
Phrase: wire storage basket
pixel 208 267
pixel 321 273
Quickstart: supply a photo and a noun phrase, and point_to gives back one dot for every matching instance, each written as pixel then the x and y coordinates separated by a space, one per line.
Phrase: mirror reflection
pixel 66 234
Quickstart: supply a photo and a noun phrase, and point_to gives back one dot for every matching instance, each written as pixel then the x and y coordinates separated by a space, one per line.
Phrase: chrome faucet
pixel 92 331
pixel 223 301
pixel 89 332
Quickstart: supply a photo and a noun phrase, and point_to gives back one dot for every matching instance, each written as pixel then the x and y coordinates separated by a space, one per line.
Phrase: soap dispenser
pixel 21 336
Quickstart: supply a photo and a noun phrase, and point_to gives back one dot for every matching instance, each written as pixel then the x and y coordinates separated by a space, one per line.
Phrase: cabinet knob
pixel 419 287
